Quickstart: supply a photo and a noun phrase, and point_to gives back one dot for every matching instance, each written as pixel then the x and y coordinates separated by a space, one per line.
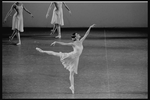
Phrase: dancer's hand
pixel 53 43
pixel 70 12
pixel 4 21
pixel 38 49
pixel 47 15
pixel 93 25
pixel 32 16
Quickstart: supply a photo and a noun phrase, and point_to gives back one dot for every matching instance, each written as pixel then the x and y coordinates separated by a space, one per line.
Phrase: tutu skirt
pixel 69 61
pixel 17 22
pixel 57 17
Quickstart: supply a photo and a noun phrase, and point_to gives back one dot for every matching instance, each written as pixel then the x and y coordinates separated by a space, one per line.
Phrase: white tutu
pixel 69 61
pixel 17 21
pixel 57 17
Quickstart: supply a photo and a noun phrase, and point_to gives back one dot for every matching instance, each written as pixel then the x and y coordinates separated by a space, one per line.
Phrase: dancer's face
pixel 77 36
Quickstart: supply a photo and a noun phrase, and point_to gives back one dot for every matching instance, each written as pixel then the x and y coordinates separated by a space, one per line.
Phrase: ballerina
pixel 17 22
pixel 57 17
pixel 70 60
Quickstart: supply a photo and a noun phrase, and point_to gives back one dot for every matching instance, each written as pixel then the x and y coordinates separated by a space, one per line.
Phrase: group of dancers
pixel 69 60
pixel 17 22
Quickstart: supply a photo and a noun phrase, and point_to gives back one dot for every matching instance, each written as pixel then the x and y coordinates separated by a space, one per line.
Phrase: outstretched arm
pixel 87 33
pixel 47 14
pixel 67 7
pixel 9 12
pixel 62 43
pixel 27 11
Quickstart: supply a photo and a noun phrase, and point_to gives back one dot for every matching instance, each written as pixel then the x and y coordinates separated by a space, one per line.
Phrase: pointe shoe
pixel 10 38
pixel 18 43
pixel 38 49
pixel 72 89
pixel 52 32
pixel 58 37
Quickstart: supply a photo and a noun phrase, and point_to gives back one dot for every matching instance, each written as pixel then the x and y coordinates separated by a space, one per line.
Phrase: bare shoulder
pixel 13 5
pixel 22 4
pixel 78 43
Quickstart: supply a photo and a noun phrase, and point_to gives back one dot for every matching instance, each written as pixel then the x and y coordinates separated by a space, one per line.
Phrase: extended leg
pixel 53 30
pixel 48 52
pixel 12 35
pixel 71 77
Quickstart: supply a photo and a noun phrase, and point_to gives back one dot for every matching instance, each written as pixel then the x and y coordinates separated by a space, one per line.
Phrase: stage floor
pixel 115 66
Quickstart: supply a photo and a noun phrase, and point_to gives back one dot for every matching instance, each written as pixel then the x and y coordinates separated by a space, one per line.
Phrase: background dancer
pixel 57 17
pixel 17 21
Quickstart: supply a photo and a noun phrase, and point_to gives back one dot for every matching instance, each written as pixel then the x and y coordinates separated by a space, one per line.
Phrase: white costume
pixel 57 17
pixel 71 60
pixel 17 22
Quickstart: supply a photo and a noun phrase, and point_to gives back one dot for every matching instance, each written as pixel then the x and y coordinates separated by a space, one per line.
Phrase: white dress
pixel 57 17
pixel 71 60
pixel 17 22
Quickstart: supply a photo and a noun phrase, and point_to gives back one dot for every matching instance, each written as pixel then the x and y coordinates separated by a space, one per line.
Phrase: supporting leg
pixel 71 77
pixel 59 31
pixel 18 35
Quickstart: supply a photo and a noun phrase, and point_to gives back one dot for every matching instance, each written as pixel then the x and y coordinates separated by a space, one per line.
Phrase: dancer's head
pixel 17 3
pixel 75 36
